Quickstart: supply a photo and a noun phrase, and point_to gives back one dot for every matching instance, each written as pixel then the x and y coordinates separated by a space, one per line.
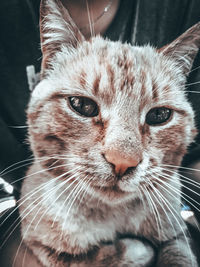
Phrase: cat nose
pixel 121 162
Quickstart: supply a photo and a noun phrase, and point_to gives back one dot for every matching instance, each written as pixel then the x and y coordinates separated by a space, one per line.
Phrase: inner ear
pixel 57 29
pixel 184 49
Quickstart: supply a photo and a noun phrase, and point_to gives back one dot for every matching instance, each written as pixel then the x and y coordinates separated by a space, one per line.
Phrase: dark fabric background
pixel 156 22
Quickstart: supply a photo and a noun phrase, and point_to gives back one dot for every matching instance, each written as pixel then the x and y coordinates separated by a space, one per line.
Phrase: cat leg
pixel 45 256
pixel 128 252
pixel 125 252
pixel 176 253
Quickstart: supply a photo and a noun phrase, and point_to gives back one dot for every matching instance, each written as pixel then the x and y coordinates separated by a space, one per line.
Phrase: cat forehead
pixel 105 69
pixel 101 56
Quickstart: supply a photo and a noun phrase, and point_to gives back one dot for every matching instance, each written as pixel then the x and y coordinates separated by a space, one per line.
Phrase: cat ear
pixel 56 29
pixel 184 48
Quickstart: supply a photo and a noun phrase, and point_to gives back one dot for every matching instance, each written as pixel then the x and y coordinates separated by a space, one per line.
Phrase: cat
pixel 106 122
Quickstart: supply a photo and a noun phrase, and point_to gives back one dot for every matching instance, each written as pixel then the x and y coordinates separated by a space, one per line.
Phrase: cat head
pixel 110 116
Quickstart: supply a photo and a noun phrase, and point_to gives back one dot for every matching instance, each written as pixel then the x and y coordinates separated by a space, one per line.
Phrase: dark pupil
pixel 83 105
pixel 158 116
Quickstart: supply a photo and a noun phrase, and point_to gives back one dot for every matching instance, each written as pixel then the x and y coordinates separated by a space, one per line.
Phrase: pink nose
pixel 121 162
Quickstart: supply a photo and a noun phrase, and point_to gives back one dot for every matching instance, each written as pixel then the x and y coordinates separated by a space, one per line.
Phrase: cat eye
pixel 84 106
pixel 157 116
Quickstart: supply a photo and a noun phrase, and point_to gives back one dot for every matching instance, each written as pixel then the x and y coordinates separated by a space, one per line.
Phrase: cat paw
pixel 135 253
pixel 126 252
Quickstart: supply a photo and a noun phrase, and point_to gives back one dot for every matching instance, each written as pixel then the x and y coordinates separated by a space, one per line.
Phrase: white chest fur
pixel 76 229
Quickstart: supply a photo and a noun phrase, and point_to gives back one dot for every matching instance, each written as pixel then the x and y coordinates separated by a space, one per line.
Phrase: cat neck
pixel 78 10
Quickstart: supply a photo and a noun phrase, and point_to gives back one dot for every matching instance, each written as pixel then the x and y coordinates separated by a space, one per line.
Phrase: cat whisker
pixel 154 209
pixel 68 196
pixel 93 194
pixel 178 191
pixel 41 171
pixel 32 204
pixel 61 185
pixel 186 187
pixel 25 198
pixel 194 83
pixel 193 92
pixel 161 205
pixel 18 126
pixel 47 195
pixel 19 167
pixel 91 24
pixel 24 257
pixel 180 167
pixel 76 191
pixel 51 191
pixel 24 165
pixel 175 190
pixel 172 210
pixel 158 178
pixel 85 191
pixel 167 176
pixel 14 164
pixel 185 178
pixel 192 70
pixel 181 228
pixel 158 198
pixel 22 218
pixel 16 223
pixel 142 193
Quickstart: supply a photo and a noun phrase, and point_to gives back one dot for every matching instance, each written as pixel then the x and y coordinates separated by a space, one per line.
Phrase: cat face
pixel 109 114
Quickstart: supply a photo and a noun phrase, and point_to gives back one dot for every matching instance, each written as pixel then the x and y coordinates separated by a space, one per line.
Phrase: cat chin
pixel 114 195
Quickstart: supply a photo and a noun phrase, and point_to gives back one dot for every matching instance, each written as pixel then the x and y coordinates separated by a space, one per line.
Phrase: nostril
pixel 130 170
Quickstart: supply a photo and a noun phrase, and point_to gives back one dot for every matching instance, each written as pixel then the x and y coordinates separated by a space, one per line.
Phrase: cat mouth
pixel 112 191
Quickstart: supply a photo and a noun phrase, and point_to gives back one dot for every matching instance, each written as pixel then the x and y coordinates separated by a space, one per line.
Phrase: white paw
pixel 136 253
